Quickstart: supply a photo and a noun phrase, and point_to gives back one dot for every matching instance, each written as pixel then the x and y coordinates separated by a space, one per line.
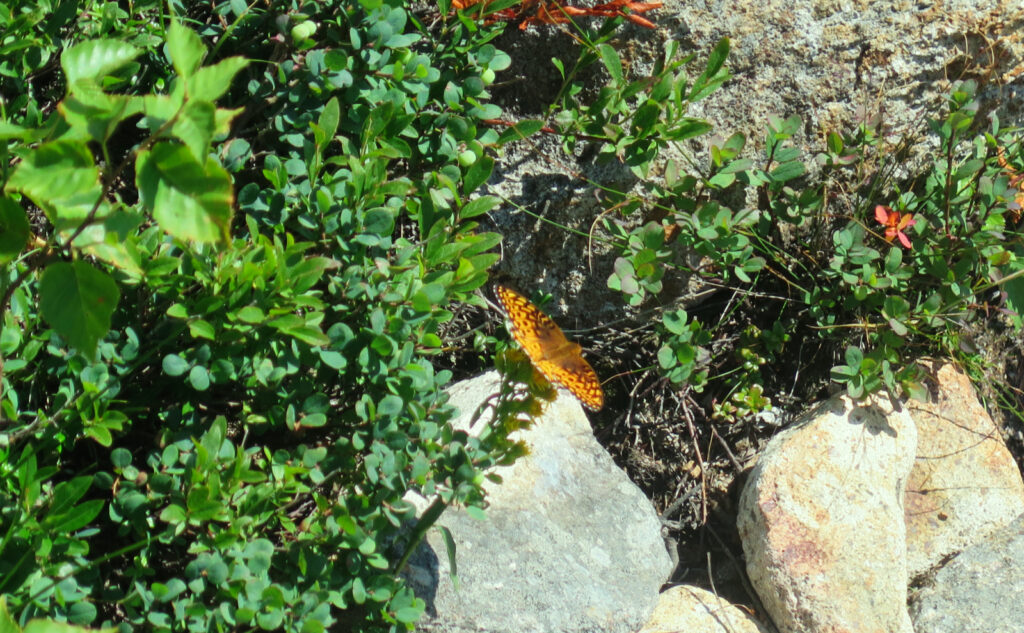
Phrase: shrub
pixel 893 277
pixel 217 377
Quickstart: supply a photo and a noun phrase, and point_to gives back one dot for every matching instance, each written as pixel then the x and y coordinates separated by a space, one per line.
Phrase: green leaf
pixel 842 373
pixel 390 406
pixel 61 178
pixel 896 307
pixel 408 615
pixel 120 457
pixel 189 200
pixel 173 514
pixel 713 75
pixel 211 82
pixel 787 171
pixel 380 221
pixel 358 590
pixel 195 126
pixel 1014 300
pixel 611 62
pixel 250 314
pixel 200 506
pixel 175 365
pixel 296 327
pixel 93 114
pixel 915 390
pixel 76 519
pixel 854 357
pixel 479 206
pixel 477 174
pixel 11 132
pixel 78 301
pixel 185 49
pixel 689 128
pixel 520 130
pixel 202 329
pixel 313 420
pixel 898 328
pixel 14 229
pixel 95 59
pixel 199 377
pixel 66 494
pixel 449 546
pixel 40 625
pixel 99 434
pixel 666 358
pixel 329 119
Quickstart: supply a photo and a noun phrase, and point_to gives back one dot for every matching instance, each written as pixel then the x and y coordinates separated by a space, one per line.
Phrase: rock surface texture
pixel 964 484
pixel 821 520
pixel 569 543
pixel 979 591
pixel 694 610
pixel 833 64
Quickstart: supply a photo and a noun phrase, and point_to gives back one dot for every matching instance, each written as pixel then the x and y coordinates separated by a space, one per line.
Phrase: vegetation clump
pixel 236 238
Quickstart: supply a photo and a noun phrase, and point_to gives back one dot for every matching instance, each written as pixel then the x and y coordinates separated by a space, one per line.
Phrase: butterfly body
pixel 559 359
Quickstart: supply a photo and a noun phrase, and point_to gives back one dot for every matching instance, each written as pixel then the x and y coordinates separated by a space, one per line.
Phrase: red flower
pixel 894 224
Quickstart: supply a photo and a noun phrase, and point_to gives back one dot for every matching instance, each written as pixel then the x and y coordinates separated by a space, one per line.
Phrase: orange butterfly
pixel 559 359
pixel 894 224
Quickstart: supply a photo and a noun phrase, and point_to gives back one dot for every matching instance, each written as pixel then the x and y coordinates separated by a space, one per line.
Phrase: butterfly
pixel 559 359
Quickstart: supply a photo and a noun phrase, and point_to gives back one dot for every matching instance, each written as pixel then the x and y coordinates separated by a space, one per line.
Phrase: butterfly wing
pixel 575 374
pixel 560 360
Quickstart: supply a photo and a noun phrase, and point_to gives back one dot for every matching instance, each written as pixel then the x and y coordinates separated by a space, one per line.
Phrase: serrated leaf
pixel 61 178
pixel 185 49
pixel 189 200
pixel 94 59
pixel 211 82
pixel 14 229
pixel 77 301
pixel 195 126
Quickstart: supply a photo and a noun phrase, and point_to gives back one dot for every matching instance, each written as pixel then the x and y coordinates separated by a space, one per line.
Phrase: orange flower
pixel 894 224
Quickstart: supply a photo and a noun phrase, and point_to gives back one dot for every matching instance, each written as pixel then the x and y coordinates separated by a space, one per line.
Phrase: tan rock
pixel 685 609
pixel 965 483
pixel 821 519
